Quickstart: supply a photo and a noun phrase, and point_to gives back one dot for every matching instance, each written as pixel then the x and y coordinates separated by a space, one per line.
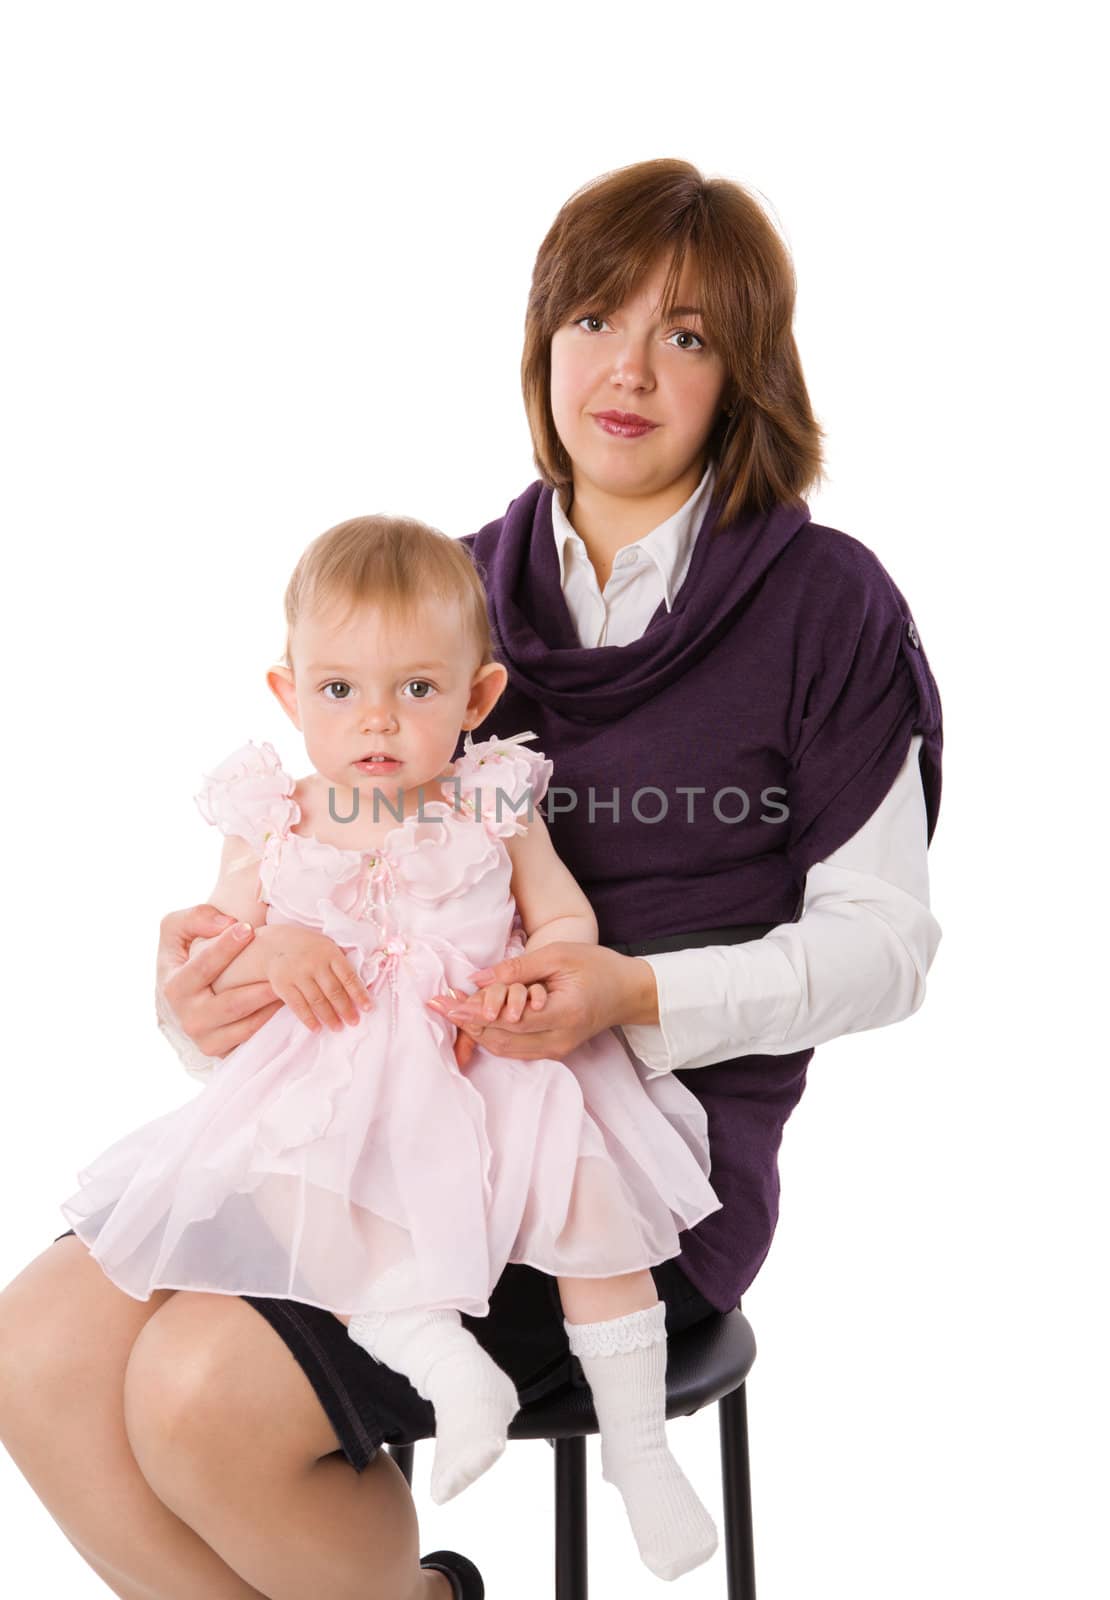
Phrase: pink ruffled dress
pixel 361 1170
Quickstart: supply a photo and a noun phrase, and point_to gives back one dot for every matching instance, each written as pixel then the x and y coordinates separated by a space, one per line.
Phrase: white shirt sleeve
pixel 855 959
pixel 195 1064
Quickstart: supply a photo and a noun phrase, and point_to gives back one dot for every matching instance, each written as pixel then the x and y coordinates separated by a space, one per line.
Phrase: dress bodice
pixel 442 874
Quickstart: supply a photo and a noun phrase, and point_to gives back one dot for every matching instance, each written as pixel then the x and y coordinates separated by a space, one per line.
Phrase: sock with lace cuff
pixel 624 1361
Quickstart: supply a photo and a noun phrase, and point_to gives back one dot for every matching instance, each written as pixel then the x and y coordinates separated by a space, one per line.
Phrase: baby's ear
pixel 283 686
pixel 486 688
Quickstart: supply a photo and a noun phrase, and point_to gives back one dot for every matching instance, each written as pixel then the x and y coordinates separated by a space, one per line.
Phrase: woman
pixel 746 739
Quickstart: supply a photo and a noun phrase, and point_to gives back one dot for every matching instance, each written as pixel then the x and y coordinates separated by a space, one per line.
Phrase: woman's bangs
pixel 599 286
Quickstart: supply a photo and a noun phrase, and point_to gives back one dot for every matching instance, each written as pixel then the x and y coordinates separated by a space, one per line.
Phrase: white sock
pixel 474 1400
pixel 625 1364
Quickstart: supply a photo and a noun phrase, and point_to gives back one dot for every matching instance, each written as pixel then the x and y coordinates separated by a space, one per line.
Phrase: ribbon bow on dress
pixel 304 1109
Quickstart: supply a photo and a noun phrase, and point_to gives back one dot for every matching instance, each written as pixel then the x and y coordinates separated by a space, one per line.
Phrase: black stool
pixel 707 1362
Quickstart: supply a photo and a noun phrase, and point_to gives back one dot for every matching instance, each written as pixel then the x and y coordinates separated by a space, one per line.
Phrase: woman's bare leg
pixel 229 1433
pixel 66 1332
pixel 66 1338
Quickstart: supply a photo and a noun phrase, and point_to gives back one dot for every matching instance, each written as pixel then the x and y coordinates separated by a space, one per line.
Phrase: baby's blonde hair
pixel 397 563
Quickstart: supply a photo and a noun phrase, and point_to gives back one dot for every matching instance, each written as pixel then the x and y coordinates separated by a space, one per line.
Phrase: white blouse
pixel 857 956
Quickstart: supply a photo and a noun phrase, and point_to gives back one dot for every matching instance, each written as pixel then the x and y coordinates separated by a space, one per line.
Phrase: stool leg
pixel 402 1454
pixel 737 1485
pixel 571 1574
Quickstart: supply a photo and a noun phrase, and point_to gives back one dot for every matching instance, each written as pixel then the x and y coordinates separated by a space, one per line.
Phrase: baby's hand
pixel 508 1001
pixel 516 995
pixel 311 974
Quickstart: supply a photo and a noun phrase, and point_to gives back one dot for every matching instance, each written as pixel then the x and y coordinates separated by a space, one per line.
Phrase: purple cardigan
pixel 701 770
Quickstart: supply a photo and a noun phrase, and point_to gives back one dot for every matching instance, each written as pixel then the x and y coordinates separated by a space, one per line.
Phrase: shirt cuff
pixel 195 1063
pixel 752 987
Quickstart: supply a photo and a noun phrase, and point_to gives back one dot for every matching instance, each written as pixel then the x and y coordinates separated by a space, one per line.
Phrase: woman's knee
pixel 66 1331
pixel 210 1393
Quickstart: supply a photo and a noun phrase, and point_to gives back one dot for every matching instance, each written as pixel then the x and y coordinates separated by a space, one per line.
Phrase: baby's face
pixel 371 685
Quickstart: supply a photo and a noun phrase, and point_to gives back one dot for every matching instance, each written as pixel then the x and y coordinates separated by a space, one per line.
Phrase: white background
pixel 266 268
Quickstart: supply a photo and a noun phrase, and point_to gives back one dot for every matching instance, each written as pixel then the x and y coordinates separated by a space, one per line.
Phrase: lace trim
pixel 619 1335
pixel 195 1062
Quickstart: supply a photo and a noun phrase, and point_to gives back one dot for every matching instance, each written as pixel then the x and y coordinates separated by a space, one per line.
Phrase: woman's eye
pixel 423 682
pixel 345 687
pixel 591 318
pixel 684 333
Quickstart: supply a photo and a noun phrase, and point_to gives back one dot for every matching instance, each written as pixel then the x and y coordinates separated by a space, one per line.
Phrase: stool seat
pixel 704 1363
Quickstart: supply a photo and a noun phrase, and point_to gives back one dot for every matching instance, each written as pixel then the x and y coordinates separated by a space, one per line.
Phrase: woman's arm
pixel 301 967
pixel 199 957
pixel 856 959
pixel 183 994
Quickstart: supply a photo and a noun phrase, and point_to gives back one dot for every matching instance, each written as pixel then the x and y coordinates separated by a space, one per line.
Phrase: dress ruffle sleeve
pixel 500 782
pixel 250 795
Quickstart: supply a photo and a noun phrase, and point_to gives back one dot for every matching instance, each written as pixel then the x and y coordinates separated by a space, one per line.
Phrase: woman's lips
pixel 623 424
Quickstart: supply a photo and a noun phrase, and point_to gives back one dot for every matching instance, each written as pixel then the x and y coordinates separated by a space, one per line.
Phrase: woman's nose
pixel 632 366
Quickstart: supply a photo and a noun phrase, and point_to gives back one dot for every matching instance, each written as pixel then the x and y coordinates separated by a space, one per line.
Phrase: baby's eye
pixel 590 317
pixel 684 333
pixel 424 682
pixel 337 684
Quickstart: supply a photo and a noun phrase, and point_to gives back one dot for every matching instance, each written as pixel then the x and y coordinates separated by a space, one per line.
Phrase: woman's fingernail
pixel 477 977
pixel 241 931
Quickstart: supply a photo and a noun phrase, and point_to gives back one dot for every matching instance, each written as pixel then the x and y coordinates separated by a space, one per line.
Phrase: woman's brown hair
pixel 767 445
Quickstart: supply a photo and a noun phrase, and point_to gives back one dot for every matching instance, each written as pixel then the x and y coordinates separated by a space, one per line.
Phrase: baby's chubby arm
pixel 585 986
pixel 552 908
pixel 238 894
pixel 304 967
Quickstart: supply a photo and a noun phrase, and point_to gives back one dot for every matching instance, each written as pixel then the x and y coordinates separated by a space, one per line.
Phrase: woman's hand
pixel 587 987
pixel 215 1023
pixel 463 1042
pixel 311 974
pixel 496 996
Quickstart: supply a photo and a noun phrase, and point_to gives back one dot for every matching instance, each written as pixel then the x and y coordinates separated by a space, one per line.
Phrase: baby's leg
pixel 597 1299
pixel 474 1399
pixel 617 1329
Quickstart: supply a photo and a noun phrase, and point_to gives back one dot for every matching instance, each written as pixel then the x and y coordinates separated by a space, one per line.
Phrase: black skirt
pixel 369 1405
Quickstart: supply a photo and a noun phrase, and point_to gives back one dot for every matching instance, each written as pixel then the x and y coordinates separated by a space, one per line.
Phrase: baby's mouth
pixel 377 758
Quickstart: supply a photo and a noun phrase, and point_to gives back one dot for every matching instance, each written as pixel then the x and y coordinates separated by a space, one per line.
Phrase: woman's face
pixel 625 360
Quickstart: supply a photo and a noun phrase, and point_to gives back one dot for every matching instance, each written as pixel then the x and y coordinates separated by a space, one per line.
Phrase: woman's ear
pixel 283 686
